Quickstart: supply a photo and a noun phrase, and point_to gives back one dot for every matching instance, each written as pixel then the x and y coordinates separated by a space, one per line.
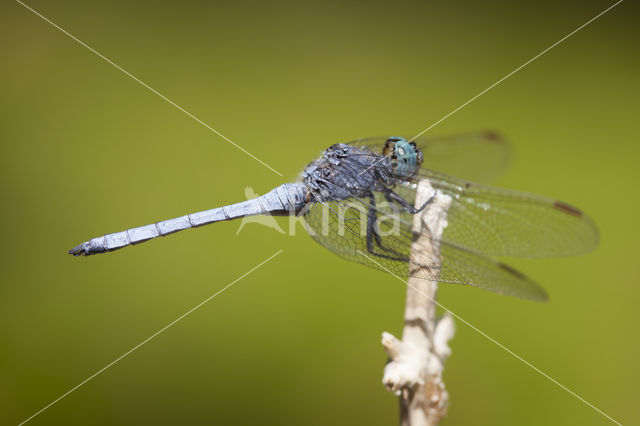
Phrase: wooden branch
pixel 417 362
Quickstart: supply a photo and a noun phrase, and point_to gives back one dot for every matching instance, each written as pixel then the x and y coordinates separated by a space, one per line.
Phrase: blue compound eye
pixel 409 158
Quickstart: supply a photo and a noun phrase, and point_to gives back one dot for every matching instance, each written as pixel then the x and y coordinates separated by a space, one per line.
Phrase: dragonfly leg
pixel 373 236
pixel 392 196
pixel 371 230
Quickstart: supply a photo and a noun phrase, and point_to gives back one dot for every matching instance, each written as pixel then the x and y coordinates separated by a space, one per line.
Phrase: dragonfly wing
pixel 341 227
pixel 489 274
pixel 476 156
pixel 499 222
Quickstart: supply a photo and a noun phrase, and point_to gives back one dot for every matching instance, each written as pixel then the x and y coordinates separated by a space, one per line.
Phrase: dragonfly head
pixel 405 156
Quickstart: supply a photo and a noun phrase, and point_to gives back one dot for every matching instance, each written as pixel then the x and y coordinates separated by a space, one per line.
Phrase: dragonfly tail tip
pixel 78 250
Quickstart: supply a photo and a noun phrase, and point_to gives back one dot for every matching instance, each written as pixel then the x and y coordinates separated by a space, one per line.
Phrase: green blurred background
pixel 87 150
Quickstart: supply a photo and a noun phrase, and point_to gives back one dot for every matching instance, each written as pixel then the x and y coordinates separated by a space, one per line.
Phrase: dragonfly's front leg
pixel 393 197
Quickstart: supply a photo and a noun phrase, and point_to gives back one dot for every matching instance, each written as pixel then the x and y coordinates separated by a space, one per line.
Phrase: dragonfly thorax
pixel 344 171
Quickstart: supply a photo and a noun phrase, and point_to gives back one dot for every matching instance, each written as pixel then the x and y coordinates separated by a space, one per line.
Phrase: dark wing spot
pixel 566 208
pixel 512 271
pixel 492 136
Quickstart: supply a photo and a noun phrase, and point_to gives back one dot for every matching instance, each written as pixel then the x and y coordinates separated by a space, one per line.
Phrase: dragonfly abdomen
pixel 277 202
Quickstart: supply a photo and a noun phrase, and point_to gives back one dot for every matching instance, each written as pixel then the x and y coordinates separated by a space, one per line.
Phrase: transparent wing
pixel 342 228
pixel 500 222
pixel 477 156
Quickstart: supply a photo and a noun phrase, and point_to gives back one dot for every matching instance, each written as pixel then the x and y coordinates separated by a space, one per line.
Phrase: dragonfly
pixel 354 194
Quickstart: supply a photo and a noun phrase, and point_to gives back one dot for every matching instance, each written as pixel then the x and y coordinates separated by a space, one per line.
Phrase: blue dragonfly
pixel 356 193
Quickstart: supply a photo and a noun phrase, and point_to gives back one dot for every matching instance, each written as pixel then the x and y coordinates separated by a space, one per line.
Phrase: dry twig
pixel 417 361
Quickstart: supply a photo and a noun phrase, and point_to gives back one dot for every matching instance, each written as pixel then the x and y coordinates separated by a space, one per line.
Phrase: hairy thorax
pixel 344 171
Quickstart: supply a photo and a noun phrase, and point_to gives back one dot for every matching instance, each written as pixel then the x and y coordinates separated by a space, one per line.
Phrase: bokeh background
pixel 86 151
